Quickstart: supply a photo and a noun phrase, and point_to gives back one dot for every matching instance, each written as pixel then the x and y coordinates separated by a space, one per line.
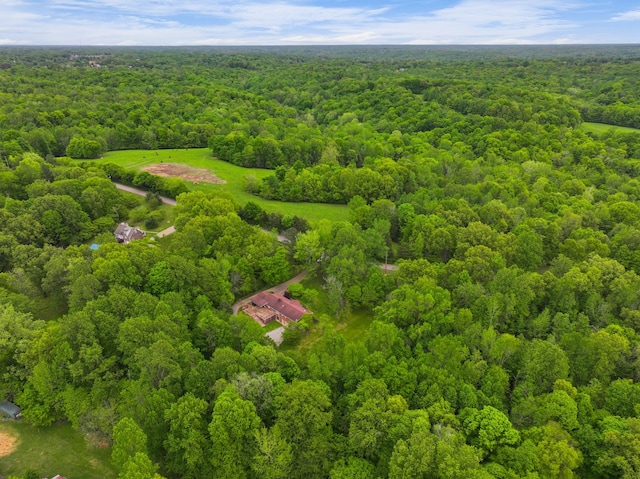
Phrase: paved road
pixel 276 335
pixel 166 232
pixel 169 201
pixel 139 192
pixel 279 289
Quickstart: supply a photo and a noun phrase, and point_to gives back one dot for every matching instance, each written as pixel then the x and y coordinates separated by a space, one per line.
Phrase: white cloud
pixel 631 15
pixel 490 21
pixel 350 39
pixel 279 15
pixel 243 22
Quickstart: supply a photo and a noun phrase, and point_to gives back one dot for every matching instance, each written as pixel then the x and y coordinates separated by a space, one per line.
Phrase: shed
pixel 9 409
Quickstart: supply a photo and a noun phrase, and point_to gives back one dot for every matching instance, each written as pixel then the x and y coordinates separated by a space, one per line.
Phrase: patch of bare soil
pixel 184 172
pixel 8 444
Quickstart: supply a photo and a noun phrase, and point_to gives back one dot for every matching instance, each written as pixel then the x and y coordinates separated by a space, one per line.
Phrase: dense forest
pixel 505 345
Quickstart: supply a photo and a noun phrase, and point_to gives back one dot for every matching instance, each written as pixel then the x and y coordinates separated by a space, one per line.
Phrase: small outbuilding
pixel 125 233
pixel 9 409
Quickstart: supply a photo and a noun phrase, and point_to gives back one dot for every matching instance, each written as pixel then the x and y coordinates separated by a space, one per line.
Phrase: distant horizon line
pixel 307 45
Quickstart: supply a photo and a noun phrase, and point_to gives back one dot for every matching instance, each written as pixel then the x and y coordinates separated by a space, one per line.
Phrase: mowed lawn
pixel 232 174
pixel 600 128
pixel 54 450
pixel 353 327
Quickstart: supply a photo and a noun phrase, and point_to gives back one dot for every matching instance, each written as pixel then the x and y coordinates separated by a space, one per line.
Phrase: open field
pixel 183 171
pixel 600 128
pixel 53 450
pixel 232 174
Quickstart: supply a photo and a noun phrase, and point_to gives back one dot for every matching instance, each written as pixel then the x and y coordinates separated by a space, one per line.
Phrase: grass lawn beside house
pixel 352 327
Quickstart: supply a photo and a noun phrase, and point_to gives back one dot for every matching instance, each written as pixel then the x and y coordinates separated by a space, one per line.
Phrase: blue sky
pixel 309 22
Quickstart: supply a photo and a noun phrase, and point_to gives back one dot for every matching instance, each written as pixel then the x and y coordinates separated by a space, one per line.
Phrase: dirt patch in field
pixel 8 444
pixel 184 172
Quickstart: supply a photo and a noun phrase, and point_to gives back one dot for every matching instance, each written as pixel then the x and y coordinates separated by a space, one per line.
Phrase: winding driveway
pixel 139 192
pixel 168 201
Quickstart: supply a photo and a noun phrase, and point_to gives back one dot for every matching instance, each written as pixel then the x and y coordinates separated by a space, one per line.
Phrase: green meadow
pixel 54 450
pixel 600 128
pixel 232 174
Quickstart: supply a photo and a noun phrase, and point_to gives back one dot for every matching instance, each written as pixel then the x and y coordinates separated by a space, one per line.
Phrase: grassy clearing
pixel 352 327
pixel 232 174
pixel 54 450
pixel 356 325
pixel 600 128
pixel 138 216
pixel 271 326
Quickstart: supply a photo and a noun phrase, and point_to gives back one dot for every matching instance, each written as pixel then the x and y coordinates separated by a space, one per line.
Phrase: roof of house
pixel 290 308
pixel 127 233
pixel 9 408
pixel 122 229
pixel 263 315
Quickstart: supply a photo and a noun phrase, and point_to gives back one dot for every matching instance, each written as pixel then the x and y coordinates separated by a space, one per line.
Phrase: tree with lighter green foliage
pixel 233 430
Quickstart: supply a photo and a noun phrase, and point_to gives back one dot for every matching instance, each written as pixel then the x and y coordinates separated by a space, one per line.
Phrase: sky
pixel 317 22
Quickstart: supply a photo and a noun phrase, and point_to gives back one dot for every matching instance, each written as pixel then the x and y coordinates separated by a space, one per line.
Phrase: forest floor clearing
pixel 233 175
pixel 184 172
pixel 52 450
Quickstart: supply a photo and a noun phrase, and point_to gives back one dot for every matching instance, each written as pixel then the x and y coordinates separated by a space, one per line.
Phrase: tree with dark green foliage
pixel 83 148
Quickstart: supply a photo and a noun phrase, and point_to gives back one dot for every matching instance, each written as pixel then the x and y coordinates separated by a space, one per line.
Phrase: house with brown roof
pixel 125 233
pixel 277 307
